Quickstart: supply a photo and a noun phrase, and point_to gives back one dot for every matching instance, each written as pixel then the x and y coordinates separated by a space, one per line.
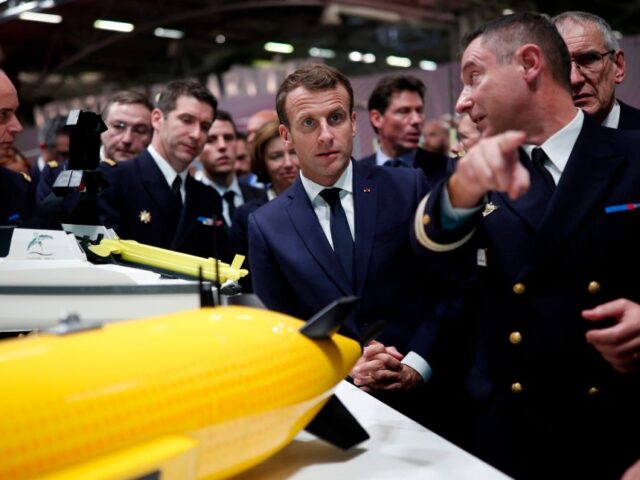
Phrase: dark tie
pixel 340 232
pixel 228 197
pixel 395 162
pixel 175 190
pixel 538 157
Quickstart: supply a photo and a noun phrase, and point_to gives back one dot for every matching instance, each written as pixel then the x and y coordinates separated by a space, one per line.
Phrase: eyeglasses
pixel 138 129
pixel 591 62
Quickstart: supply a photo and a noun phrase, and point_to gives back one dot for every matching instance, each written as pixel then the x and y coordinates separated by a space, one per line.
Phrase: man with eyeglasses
pixel 597 66
pixel 128 120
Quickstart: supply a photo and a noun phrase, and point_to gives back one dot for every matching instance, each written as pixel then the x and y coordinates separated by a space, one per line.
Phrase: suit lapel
pixel 592 166
pixel 365 196
pixel 154 183
pixel 305 222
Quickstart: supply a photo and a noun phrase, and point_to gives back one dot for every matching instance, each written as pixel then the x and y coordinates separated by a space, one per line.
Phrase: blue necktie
pixel 340 233
pixel 395 162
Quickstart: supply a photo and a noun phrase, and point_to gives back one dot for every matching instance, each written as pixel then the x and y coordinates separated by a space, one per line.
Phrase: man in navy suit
pixel 302 256
pixel 598 65
pixel 151 198
pixel 218 160
pixel 396 113
pixel 548 240
pixel 16 192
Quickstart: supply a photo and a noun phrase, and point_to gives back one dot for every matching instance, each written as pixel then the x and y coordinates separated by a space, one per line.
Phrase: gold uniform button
pixel 426 219
pixel 515 338
pixel 593 391
pixel 516 387
pixel 594 287
pixel 518 288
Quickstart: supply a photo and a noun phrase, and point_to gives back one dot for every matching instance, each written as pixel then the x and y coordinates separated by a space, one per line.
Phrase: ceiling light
pixel 368 58
pixel 321 52
pixel 276 47
pixel 168 33
pixel 40 17
pixel 507 11
pixel 113 26
pixel 394 61
pixel 355 56
pixel 221 38
pixel 428 65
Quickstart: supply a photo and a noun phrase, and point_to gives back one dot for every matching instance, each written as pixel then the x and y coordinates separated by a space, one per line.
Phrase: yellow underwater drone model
pixel 206 393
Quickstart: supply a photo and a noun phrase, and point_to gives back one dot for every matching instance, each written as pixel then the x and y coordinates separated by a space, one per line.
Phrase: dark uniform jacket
pixel 139 205
pixel 549 405
pixel 16 197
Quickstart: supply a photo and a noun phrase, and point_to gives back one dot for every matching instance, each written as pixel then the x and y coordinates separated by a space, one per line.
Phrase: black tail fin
pixel 335 424
pixel 328 320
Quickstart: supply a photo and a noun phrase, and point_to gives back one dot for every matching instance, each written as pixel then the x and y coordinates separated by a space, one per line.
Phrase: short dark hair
pixel 127 97
pixel 264 135
pixel 241 136
pixel 225 116
pixel 380 98
pixel 167 98
pixel 314 77
pixel 387 86
pixel 505 34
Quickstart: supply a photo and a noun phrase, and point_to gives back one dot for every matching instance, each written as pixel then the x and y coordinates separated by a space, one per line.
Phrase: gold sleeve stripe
pixel 425 241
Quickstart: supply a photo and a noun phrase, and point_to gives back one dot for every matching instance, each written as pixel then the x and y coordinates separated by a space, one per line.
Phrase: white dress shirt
pixel 168 172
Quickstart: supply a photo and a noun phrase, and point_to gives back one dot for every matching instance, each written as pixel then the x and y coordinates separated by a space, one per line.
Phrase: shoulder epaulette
pixel 26 176
pixel 108 161
pixel 52 164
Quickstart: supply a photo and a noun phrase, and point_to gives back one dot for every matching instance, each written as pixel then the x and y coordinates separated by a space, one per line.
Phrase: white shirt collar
pixel 613 119
pixel 167 170
pixel 558 146
pixel 313 189
pixel 221 189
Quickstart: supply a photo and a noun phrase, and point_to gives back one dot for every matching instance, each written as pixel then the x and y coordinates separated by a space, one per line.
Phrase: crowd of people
pixel 502 264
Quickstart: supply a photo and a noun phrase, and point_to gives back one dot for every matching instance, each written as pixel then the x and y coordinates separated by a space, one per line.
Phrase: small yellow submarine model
pixel 201 394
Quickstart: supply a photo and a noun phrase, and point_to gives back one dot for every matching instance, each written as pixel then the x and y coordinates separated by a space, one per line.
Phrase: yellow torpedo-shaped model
pixel 200 394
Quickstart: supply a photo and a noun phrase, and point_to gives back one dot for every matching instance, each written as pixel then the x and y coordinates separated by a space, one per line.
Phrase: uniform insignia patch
pixel 145 216
pixel 489 208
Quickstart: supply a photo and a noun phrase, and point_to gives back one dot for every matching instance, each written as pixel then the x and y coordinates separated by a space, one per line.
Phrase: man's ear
pixel 376 118
pixel 619 65
pixel 529 59
pixel 285 135
pixel 157 117
pixel 353 124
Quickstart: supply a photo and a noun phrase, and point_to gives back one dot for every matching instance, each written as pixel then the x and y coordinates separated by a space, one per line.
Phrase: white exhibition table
pixel 399 448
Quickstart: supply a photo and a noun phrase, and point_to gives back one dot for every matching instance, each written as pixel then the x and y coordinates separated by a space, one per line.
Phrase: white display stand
pixel 399 448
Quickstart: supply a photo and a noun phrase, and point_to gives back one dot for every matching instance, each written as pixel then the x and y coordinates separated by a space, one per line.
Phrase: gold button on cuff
pixel 518 288
pixel 515 338
pixel 425 219
pixel 594 287
pixel 516 387
pixel 593 391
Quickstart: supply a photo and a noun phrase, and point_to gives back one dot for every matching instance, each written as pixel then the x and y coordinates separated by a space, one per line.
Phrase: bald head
pixel 9 124
pixel 257 120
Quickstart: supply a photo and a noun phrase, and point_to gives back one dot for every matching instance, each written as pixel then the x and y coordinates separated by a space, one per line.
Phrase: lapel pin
pixel 366 190
pixel 489 208
pixel 145 216
pixel 622 207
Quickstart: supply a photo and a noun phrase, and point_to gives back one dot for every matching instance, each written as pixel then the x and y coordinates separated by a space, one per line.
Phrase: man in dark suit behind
pixel 301 259
pixel 597 66
pixel 396 113
pixel 548 237
pixel 151 198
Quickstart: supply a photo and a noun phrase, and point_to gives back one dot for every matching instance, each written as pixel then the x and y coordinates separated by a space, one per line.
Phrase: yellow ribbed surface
pixel 240 382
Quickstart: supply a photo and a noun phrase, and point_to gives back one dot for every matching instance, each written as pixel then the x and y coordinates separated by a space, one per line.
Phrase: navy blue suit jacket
pixel 539 385
pixel 138 205
pixel 296 271
pixel 434 165
pixel 16 197
pixel 629 117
